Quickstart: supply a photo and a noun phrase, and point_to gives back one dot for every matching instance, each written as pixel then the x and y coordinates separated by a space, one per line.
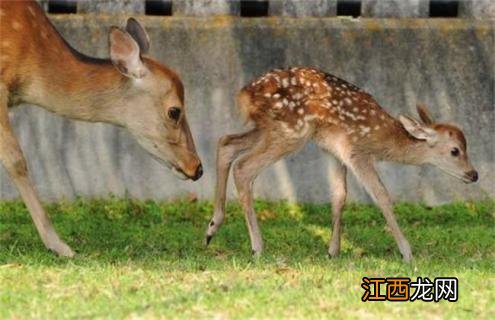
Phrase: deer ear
pixel 418 130
pixel 136 30
pixel 124 53
pixel 424 114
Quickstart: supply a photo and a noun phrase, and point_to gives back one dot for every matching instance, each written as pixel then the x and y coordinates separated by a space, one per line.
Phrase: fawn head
pixel 154 102
pixel 446 145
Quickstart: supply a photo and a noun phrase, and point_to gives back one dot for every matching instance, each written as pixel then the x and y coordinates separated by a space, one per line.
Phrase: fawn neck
pixel 395 144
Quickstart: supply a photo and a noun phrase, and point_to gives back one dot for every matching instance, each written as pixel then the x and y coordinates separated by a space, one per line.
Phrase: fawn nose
pixel 199 172
pixel 472 175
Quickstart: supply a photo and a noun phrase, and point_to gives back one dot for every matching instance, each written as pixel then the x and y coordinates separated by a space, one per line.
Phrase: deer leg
pixel 13 160
pixel 266 152
pixel 229 148
pixel 367 175
pixel 339 192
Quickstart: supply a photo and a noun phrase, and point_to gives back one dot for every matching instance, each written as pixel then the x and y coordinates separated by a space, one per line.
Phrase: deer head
pixel 445 145
pixel 153 102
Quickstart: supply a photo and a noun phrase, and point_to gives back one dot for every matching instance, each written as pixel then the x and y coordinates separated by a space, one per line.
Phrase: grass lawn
pixel 147 260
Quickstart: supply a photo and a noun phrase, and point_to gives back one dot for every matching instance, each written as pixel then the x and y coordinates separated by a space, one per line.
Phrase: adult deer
pixel 129 90
pixel 290 107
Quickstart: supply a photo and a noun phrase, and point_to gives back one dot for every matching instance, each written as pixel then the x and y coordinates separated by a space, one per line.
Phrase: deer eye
pixel 174 113
pixel 455 152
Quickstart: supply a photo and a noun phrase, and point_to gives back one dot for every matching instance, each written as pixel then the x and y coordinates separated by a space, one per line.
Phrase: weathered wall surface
pixel 446 63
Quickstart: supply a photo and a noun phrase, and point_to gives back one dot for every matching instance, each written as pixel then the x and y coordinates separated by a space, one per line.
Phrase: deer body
pixel 130 90
pixel 290 107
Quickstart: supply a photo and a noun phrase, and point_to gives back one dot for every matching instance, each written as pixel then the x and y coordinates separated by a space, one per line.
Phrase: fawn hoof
pixel 333 252
pixel 208 239
pixel 62 250
pixel 407 258
pixel 406 252
pixel 256 254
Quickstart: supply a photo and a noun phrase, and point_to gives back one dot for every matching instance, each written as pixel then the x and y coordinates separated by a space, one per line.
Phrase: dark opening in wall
pixel 349 8
pixel 62 6
pixel 158 7
pixel 443 8
pixel 250 8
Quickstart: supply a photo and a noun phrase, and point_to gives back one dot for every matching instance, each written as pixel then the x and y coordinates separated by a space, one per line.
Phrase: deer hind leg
pixel 339 193
pixel 267 151
pixel 13 160
pixel 229 148
pixel 367 175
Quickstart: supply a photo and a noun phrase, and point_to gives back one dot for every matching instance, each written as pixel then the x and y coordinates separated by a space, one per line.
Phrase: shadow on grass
pixel 171 234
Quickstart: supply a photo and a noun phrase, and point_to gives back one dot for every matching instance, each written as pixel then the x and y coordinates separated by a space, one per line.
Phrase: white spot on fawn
pixel 364 130
pixel 278 105
pixel 16 25
pixel 31 11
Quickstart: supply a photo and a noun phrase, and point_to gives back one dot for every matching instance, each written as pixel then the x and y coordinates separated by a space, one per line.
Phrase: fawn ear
pixel 136 30
pixel 418 130
pixel 125 55
pixel 424 114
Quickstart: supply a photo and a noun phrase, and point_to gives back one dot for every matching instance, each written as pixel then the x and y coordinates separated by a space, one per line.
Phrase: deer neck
pixel 81 88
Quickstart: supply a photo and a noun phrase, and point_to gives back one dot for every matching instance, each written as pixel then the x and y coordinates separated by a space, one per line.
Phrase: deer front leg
pixel 339 192
pixel 229 148
pixel 13 160
pixel 367 175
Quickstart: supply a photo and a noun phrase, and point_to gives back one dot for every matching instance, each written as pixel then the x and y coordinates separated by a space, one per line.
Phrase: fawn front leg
pixel 367 175
pixel 229 148
pixel 339 193
pixel 13 160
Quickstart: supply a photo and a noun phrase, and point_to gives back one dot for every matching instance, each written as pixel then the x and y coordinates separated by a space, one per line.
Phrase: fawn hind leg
pixel 268 150
pixel 13 160
pixel 339 193
pixel 229 148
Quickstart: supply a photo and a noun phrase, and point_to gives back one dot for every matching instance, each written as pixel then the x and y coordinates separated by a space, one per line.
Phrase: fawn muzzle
pixel 471 176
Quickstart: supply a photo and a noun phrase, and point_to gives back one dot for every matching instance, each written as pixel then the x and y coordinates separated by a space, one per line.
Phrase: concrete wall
pixel 446 63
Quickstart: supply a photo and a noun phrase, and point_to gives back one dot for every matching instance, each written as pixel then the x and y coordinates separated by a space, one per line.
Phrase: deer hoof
pixel 62 250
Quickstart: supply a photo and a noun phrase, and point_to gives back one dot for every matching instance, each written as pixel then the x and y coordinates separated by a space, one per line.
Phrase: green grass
pixel 147 260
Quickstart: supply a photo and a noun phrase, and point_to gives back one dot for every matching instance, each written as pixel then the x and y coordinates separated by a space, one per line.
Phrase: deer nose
pixel 473 175
pixel 199 172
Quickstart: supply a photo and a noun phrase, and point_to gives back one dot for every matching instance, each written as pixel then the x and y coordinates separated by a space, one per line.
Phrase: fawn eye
pixel 174 113
pixel 455 152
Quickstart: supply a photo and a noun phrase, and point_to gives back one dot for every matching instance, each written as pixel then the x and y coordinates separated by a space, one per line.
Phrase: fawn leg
pixel 13 160
pixel 266 152
pixel 339 193
pixel 229 148
pixel 367 175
